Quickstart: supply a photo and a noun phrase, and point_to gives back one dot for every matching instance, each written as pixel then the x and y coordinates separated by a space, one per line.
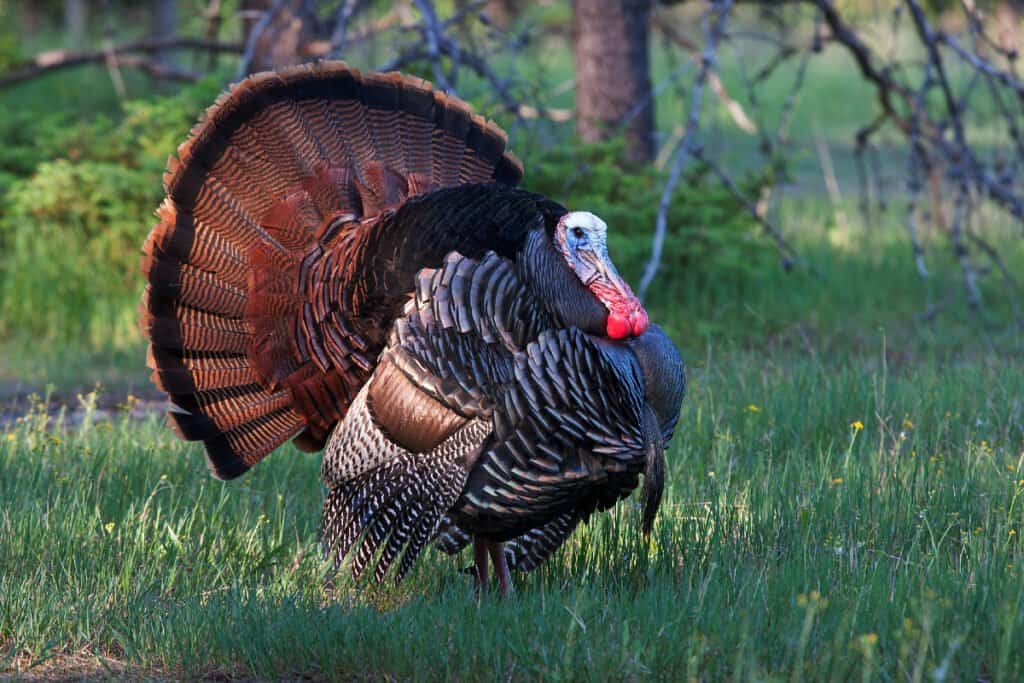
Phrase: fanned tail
pixel 272 196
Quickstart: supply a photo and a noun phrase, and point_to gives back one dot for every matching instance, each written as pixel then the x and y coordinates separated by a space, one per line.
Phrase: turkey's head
pixel 582 238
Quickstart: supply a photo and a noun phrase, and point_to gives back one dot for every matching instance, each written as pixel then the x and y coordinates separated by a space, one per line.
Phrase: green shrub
pixel 76 202
pixel 74 232
pixel 709 232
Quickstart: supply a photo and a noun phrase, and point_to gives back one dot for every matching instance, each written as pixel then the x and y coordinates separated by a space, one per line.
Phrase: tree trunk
pixel 164 27
pixel 76 17
pixel 613 82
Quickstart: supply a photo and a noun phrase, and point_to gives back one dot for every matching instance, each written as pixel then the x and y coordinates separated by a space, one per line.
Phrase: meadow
pixel 845 491
pixel 845 501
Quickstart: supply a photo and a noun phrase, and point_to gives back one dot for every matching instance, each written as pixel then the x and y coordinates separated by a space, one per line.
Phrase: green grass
pixel 859 284
pixel 790 544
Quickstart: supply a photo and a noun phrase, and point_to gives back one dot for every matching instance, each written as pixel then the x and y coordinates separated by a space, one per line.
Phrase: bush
pixel 76 202
pixel 74 230
pixel 709 231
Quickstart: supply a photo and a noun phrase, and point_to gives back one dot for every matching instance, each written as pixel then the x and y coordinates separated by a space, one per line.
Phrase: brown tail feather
pixel 276 191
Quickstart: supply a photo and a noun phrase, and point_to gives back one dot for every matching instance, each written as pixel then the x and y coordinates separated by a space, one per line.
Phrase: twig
pixel 828 172
pixel 720 9
pixel 735 109
pixel 254 37
pixel 960 249
pixel 914 186
pixel 1011 283
pixel 110 60
pixel 433 34
pixel 789 256
pixel 339 37
pixel 213 22
pixel 56 60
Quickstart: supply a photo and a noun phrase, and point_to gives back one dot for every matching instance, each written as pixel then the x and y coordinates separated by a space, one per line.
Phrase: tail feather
pixel 381 96
pixel 230 453
pixel 187 374
pixel 402 531
pixel 421 535
pixel 451 129
pixel 397 506
pixel 177 240
pixel 417 104
pixel 190 328
pixel 523 553
pixel 257 198
pixel 195 288
pixel 529 551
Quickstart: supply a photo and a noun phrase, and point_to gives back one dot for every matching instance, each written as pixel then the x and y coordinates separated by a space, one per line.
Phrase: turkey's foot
pixel 483 548
pixel 497 552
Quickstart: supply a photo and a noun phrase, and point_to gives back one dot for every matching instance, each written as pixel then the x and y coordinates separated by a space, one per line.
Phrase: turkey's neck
pixel 546 273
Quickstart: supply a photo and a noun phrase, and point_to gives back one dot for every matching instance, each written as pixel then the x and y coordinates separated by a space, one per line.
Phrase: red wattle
pixel 638 320
pixel 618 327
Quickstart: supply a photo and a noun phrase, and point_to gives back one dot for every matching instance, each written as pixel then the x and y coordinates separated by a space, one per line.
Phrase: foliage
pixel 709 232
pixel 855 518
pixel 73 231
pixel 76 201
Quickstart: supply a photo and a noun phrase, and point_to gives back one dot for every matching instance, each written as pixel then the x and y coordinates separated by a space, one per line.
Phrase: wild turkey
pixel 345 247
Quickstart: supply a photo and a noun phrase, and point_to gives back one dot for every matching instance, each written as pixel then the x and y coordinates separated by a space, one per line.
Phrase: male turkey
pixel 345 256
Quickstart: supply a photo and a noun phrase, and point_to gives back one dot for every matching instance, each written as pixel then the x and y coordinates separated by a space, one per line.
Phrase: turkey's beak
pixel 626 316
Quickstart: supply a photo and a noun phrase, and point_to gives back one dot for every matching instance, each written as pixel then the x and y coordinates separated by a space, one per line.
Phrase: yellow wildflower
pixel 907 424
pixel 856 425
pixel 752 408
pixel 109 526
pixel 11 437
pixel 836 481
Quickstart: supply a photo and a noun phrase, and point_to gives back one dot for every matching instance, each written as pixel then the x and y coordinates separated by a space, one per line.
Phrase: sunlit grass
pixel 824 518
pixel 845 497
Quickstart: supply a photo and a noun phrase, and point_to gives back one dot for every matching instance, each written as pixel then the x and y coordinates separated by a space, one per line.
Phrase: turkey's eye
pixel 577 232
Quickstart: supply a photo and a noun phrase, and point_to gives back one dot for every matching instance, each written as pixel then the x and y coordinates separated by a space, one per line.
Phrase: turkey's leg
pixel 480 557
pixel 497 551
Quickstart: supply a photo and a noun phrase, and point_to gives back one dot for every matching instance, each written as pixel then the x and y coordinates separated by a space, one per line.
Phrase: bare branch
pixel 720 9
pixel 254 37
pixel 55 60
pixel 789 256
pixel 434 35
pixel 735 109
